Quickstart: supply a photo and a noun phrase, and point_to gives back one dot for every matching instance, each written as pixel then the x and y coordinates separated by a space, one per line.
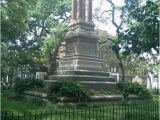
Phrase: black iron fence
pixel 109 112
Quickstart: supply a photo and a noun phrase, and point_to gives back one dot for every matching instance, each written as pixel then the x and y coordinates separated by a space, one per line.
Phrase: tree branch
pixel 113 16
pixel 108 39
pixel 105 12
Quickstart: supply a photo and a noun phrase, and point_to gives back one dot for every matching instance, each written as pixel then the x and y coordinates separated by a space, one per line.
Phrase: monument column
pixel 74 9
pixel 80 9
pixel 84 9
pixel 89 10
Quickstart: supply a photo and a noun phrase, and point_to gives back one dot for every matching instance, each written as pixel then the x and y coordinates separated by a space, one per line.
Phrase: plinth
pixel 81 60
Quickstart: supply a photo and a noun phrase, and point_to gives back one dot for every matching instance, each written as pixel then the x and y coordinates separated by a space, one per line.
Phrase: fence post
pixel 141 111
pixel 92 115
pixel 69 113
pixel 51 114
pixel 5 116
pixel 18 115
pixel 153 110
pixel 1 114
pixel 30 114
pixel 128 110
pixel 77 114
pixel 100 113
pixel 125 112
pixel 60 113
pixel 113 111
pixel 84 114
pixel 146 111
pixel 56 115
pixel 46 114
pixel 103 112
pixel 116 112
pixel 158 110
pixel 65 114
pixel 24 115
pixel 96 113
pixel 35 117
pixel 12 115
pixel 89 113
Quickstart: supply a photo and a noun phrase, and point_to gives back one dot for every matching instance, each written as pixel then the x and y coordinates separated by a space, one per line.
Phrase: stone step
pixel 94 85
pixel 110 86
pixel 83 78
pixel 81 72
pixel 80 68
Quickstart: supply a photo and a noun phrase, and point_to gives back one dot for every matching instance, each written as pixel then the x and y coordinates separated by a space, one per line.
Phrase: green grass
pixel 22 104
pixel 36 106
pixel 28 105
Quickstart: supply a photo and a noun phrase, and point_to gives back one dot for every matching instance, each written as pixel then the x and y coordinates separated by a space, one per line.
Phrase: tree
pixel 14 15
pixel 143 26
pixel 137 33
pixel 115 43
pixel 52 44
pixel 142 36
pixel 25 27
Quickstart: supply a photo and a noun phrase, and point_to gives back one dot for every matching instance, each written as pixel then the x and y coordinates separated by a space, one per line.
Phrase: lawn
pixel 82 111
pixel 24 104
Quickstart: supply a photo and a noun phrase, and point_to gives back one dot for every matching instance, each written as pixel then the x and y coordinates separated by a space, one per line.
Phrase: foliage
pixel 102 92
pixel 143 26
pixel 26 84
pixel 67 88
pixel 133 88
pixel 137 32
pixel 25 27
pixel 52 44
pixel 142 33
pixel 14 15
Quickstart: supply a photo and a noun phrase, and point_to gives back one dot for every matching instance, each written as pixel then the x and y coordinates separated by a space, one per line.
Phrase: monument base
pixel 93 85
pixel 81 62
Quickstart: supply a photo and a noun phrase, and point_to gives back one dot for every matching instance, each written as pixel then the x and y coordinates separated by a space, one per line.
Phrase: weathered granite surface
pixel 81 61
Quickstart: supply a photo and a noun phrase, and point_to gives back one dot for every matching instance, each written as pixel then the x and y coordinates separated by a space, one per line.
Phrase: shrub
pixel 53 89
pixel 34 83
pixel 133 88
pixel 66 88
pixel 21 85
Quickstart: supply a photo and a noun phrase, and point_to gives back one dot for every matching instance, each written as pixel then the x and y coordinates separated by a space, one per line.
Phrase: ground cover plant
pixel 135 88
pixel 27 84
pixel 67 88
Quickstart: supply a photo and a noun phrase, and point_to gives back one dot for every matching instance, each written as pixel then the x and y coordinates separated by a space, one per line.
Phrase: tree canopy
pixel 32 32
pixel 143 26
pixel 137 32
pixel 25 27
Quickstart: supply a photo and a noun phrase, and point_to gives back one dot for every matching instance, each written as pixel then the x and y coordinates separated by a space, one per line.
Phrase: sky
pixel 103 5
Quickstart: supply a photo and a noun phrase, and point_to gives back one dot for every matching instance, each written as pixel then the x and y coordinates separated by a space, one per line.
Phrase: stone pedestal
pixel 81 48
pixel 81 60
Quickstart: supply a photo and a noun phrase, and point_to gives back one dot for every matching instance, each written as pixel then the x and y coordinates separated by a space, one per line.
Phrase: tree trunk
pixel 151 76
pixel 53 58
pixel 121 66
pixel 53 62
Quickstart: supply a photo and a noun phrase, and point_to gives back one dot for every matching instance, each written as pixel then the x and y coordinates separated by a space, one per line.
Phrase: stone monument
pixel 81 60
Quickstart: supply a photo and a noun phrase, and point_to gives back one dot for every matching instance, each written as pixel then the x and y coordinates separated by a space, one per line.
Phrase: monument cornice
pixel 82 33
